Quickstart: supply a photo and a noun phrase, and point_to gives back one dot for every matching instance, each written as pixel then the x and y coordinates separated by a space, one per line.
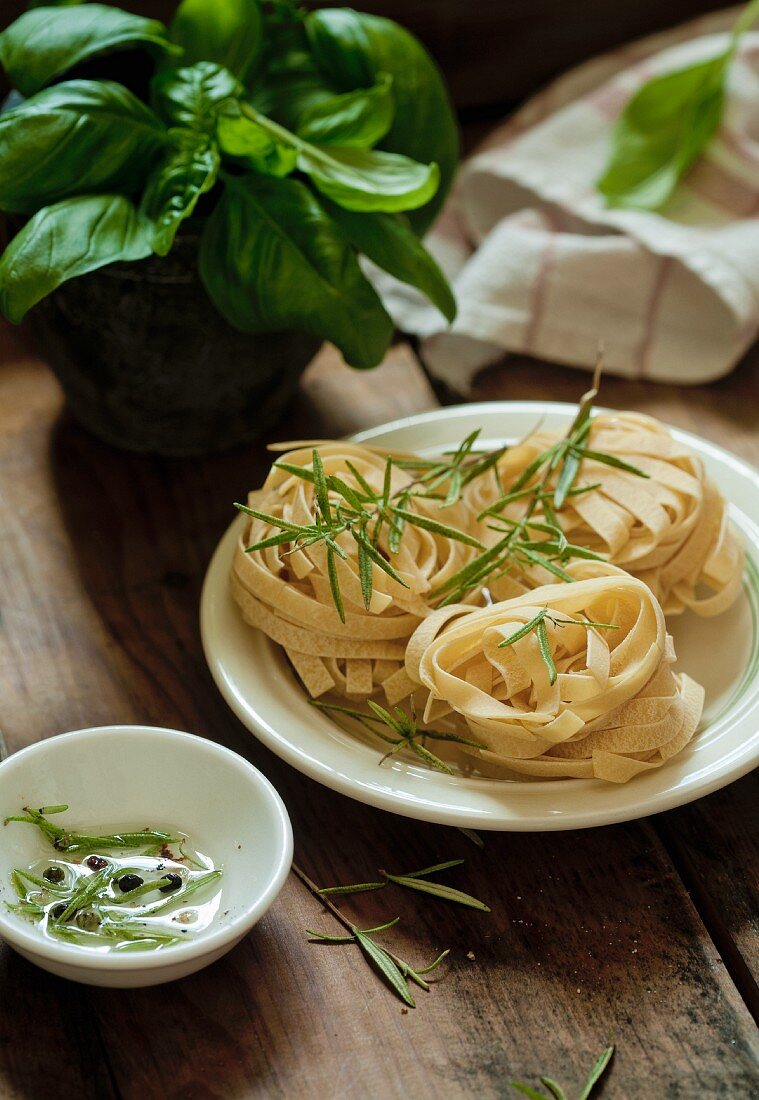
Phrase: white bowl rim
pixel 16 934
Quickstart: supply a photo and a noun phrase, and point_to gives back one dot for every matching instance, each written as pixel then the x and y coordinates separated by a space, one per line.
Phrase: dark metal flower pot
pixel 148 364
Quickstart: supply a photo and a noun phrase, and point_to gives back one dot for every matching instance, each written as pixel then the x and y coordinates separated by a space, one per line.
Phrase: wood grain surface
pixel 643 934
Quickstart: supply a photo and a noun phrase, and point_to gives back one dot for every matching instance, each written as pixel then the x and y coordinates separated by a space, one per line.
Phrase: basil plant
pixel 304 138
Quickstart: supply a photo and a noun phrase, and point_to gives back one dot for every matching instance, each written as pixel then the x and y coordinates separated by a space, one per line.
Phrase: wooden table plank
pixel 592 934
pixel 336 396
pixel 713 843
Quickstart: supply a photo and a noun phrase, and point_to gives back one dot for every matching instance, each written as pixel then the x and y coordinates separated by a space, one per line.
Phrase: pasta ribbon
pixel 285 590
pixel 669 529
pixel 587 700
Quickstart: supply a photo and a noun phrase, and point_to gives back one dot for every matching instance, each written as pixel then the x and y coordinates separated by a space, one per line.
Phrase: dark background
pixel 496 52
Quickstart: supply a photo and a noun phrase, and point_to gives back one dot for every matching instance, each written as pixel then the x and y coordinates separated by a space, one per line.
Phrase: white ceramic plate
pixel 723 654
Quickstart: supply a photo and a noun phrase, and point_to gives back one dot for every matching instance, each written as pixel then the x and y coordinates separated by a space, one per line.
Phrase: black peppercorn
pixel 129 882
pixel 54 874
pixel 88 920
pixel 58 910
pixel 96 863
pixel 172 882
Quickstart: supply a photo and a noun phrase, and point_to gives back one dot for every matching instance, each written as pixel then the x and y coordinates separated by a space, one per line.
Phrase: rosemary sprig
pixel 416 880
pixel 366 515
pixel 464 465
pixel 363 514
pixel 557 1093
pixel 557 470
pixel 66 840
pixel 394 971
pixel 404 727
pixel 538 625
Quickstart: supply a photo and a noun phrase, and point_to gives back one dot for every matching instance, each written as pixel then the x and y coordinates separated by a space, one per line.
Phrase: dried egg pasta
pixel 286 592
pixel 616 707
pixel 670 529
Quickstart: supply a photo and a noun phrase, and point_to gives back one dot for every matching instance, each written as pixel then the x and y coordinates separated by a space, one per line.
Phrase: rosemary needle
pixel 557 1093
pixel 415 880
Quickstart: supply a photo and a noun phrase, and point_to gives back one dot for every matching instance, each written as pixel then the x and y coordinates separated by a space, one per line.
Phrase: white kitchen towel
pixel 541 266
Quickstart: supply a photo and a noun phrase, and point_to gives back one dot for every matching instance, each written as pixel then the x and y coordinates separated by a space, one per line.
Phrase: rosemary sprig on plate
pixel 464 465
pixel 394 971
pixel 363 513
pixel 404 731
pixel 538 625
pixel 537 540
pixel 416 880
pixel 557 1092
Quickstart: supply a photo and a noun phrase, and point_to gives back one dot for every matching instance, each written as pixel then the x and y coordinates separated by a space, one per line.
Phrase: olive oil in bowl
pixel 116 892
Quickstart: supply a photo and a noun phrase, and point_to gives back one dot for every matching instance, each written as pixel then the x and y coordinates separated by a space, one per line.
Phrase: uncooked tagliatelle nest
pixel 616 707
pixel 288 595
pixel 670 529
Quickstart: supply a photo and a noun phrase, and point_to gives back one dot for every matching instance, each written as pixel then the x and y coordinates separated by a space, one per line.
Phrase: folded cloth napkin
pixel 540 265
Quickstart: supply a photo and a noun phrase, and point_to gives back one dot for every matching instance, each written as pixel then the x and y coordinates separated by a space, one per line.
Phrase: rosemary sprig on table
pixel 538 624
pixel 416 880
pixel 404 727
pixel 557 1092
pixel 394 971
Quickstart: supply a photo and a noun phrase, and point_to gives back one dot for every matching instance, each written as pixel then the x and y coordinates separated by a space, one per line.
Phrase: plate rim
pixel 686 790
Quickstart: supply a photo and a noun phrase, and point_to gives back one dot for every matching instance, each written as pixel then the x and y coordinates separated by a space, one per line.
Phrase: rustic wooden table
pixel 644 933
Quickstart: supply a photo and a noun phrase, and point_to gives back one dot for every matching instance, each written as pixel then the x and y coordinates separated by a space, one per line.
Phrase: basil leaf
pixel 661 131
pixel 290 86
pixel 190 169
pixel 76 136
pixel 271 259
pixel 226 31
pixel 358 179
pixel 45 42
pixel 242 138
pixel 351 49
pixel 389 242
pixel 191 96
pixel 366 179
pixel 65 240
pixel 357 119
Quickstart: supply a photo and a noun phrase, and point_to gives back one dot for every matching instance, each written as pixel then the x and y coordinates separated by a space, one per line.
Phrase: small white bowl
pixel 132 776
